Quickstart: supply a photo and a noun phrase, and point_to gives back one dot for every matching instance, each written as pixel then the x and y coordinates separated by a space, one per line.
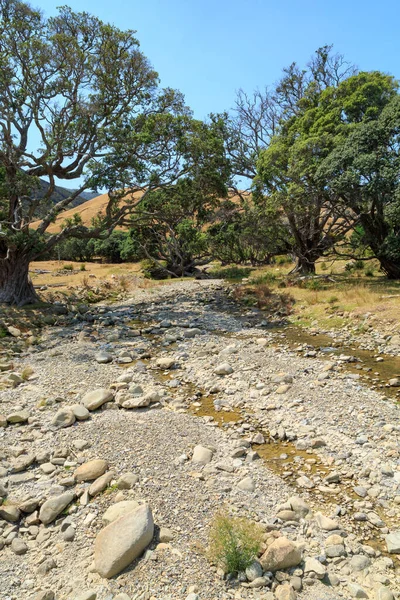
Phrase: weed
pixel 3 332
pixel 314 285
pixel 26 373
pixel 230 272
pixel 234 543
pixel 332 300
pixel 68 267
pixel 369 272
pixel 82 267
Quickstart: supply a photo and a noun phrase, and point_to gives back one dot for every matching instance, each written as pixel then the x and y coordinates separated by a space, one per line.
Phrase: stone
pixel 18 546
pixel 223 369
pixel 81 413
pixel 247 485
pixel 115 511
pixel 99 485
pixel 325 523
pixel 166 535
pixel 103 358
pixel 54 506
pixel 69 534
pixel 121 542
pixel 14 331
pixel 165 363
pixel 298 506
pixel 9 512
pixel 356 590
pixel 254 571
pixel 63 418
pixel 281 554
pixel 359 562
pixel 127 481
pixel 285 592
pixel 287 515
pixel 46 566
pixel 395 382
pixel 202 455
pixel 383 593
pixel 89 595
pixel 122 596
pixel 45 595
pixel 312 565
pixel 96 398
pixel 335 550
pixel 393 542
pixel 19 416
pixel 91 470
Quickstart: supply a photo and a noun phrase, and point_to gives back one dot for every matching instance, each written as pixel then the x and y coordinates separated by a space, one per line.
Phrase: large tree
pixel 289 170
pixel 364 172
pixel 78 101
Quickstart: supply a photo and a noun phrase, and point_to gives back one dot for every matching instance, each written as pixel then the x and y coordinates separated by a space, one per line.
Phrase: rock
pixel 46 566
pixel 95 399
pixel 287 515
pixel 165 363
pixel 335 550
pixel 89 595
pixel 202 455
pixel 246 485
pixel 54 506
pixel 3 491
pixel 99 485
pixel 298 506
pixel 192 332
pixel 127 481
pixel 19 547
pixel 356 590
pixel 254 571
pixel 91 470
pixel 103 358
pixel 281 554
pixel 81 413
pixel 115 511
pixel 10 513
pixel 19 416
pixel 312 565
pixel 122 596
pixel 223 369
pixel 63 418
pixel 359 562
pixel 69 534
pixel 44 595
pixel 392 542
pixel 166 535
pixel 325 523
pixel 121 542
pixel 14 331
pixel 383 593
pixel 285 592
pixel 395 382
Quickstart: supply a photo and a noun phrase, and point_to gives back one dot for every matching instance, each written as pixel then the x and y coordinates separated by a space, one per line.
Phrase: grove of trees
pixel 295 168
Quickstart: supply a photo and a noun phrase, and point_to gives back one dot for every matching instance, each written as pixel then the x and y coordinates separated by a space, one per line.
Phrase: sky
pixel 210 49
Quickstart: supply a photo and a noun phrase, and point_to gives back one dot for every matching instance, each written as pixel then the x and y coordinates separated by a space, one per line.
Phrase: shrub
pixel 68 267
pixel 230 273
pixel 82 267
pixel 283 260
pixel 264 278
pixel 153 270
pixel 234 543
pixel 369 272
pixel 333 299
pixel 314 284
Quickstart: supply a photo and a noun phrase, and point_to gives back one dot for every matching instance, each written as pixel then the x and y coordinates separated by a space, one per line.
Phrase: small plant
pixel 314 284
pixel 3 332
pixel 264 278
pixel 324 266
pixel 68 267
pixel 82 267
pixel 234 543
pixel 369 272
pixel 230 272
pixel 26 373
pixel 283 260
pixel 333 299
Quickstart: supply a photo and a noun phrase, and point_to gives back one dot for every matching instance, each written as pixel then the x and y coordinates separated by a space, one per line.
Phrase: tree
pixel 289 170
pixel 87 92
pixel 247 234
pixel 364 171
pixel 171 222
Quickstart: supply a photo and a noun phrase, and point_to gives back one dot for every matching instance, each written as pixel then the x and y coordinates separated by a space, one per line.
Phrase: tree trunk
pixel 304 266
pixel 391 268
pixel 15 284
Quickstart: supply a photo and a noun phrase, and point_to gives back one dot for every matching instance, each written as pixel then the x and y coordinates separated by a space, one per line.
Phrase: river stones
pixel 202 455
pixel 121 542
pixel 96 398
pixel 281 554
pixel 54 506
pixel 115 511
pixel 91 470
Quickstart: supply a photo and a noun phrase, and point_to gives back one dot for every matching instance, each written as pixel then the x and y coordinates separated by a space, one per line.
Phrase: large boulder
pixel 281 554
pixel 121 542
pixel 120 509
pixel 95 399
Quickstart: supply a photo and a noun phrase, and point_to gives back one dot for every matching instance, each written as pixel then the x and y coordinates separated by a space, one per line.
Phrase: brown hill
pixel 92 208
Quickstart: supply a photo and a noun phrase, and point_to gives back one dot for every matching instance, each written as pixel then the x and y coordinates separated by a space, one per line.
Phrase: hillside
pixel 60 193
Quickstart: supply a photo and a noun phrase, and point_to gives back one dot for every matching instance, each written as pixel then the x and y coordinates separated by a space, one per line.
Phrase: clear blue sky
pixel 210 48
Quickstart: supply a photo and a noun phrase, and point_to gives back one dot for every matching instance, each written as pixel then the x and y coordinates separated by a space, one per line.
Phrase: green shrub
pixel 369 272
pixel 264 278
pixel 283 260
pixel 154 270
pixel 314 284
pixel 82 267
pixel 230 272
pixel 333 299
pixel 68 267
pixel 234 543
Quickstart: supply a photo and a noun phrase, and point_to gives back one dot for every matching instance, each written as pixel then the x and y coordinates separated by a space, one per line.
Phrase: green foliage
pixel 68 267
pixel 230 273
pixel 234 543
pixel 154 270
